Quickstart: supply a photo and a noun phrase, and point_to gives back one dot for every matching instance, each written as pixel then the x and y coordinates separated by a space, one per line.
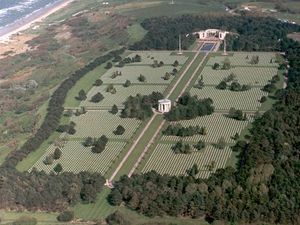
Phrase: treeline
pixel 55 110
pixel 38 190
pixel 41 191
pixel 256 33
pixel 189 107
pixel 264 188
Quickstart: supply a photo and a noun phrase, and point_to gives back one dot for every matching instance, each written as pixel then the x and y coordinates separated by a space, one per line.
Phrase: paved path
pixel 149 123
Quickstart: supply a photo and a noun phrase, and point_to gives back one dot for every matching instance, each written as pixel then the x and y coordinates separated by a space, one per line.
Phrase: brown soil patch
pixel 16 45
pixel 63 33
pixel 295 36
pixel 17 77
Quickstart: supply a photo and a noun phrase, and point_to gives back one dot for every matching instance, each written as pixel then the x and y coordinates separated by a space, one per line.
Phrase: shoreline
pixel 24 24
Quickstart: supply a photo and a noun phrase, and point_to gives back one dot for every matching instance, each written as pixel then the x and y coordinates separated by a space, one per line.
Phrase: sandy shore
pixel 6 33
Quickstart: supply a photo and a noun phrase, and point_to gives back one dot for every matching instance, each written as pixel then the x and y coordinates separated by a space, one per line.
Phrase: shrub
pixel 176 63
pixel 263 99
pixel 127 83
pixel 119 130
pixel 221 144
pixel 57 154
pixel 48 160
pixel 65 216
pixel 216 66
pixel 108 65
pixel 58 168
pixel 114 110
pixel 142 78
pixel 200 145
pixel 222 85
pixel 81 95
pixel 98 82
pixel 97 98
pixel 89 141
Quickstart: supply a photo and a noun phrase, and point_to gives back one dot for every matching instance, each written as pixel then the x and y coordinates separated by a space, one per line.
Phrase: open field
pixel 120 96
pixel 217 125
pixel 101 122
pixel 255 76
pixel 76 158
pixel 226 99
pixel 153 75
pixel 164 161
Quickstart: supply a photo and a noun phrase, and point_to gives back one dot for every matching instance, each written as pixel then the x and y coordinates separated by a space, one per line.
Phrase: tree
pixel 88 142
pixel 176 63
pixel 81 95
pixel 65 216
pixel 200 145
pixel 137 58
pixel 222 85
pixel 216 66
pixel 48 160
pixel 226 64
pixel 161 63
pixel 221 144
pixel 117 218
pixel 98 97
pixel 100 144
pixel 98 82
pixel 121 64
pixel 119 130
pixel 127 83
pixel 193 171
pixel 142 78
pixel 111 89
pixel 254 59
pixel 181 148
pixel 200 83
pixel 108 65
pixel 114 110
pixel 235 114
pixel 167 76
pixel 58 168
pixel 174 71
pixel 57 154
pixel 263 99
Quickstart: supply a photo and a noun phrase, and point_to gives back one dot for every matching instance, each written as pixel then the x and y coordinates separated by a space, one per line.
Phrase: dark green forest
pixel 264 186
pixel 256 34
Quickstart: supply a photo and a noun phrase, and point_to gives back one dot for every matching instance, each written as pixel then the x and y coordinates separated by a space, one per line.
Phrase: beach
pixel 7 32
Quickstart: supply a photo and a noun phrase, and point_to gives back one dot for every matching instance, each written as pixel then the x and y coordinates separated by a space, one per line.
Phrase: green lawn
pixel 136 33
pixel 85 83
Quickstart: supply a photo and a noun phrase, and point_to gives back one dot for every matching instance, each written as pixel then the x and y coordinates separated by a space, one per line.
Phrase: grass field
pixel 217 126
pixel 76 158
pixel 244 59
pixel 132 73
pixel 101 122
pixel 167 57
pixel 164 161
pixel 226 99
pixel 121 95
pixel 255 76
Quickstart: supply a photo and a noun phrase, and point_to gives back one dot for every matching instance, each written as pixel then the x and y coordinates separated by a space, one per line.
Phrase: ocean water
pixel 12 11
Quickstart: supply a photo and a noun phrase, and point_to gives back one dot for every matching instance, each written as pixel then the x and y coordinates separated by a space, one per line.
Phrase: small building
pixel 164 105
pixel 211 34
